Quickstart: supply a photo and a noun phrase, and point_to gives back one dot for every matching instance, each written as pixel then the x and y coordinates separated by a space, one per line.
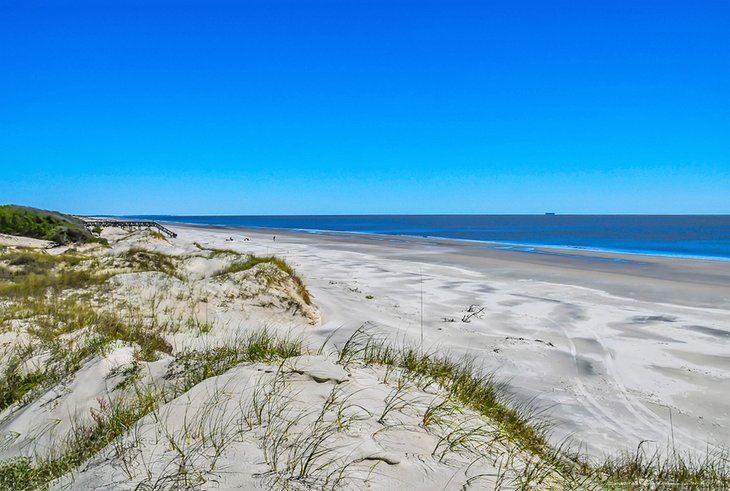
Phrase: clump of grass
pixel 462 380
pixel 303 446
pixel 55 317
pixel 557 467
pixel 194 366
pixel 112 327
pixel 27 273
pixel 251 261
pixel 465 383
pixel 656 469
pixel 144 260
pixel 466 436
pixel 15 386
pixel 39 262
pixel 468 386
pixel 108 422
pixel 217 252
pixel 112 419
pixel 438 411
pixel 34 285
pixel 14 383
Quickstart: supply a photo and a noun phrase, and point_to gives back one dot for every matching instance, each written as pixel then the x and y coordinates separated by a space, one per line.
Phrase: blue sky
pixel 365 106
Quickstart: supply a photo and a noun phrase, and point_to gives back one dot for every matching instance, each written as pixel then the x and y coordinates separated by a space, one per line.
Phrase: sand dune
pixel 192 393
pixel 607 349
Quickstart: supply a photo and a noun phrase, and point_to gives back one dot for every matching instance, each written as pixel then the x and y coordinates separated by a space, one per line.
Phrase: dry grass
pixel 555 467
pixel 145 260
pixel 250 261
pixel 55 294
pixel 113 418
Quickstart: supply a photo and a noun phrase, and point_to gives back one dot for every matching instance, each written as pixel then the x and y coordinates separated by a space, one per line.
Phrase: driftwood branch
pixel 473 311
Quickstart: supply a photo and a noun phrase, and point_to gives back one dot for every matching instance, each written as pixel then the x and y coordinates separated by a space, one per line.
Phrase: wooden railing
pixel 94 222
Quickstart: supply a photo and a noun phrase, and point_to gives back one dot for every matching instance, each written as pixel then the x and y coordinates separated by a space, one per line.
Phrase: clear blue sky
pixel 370 106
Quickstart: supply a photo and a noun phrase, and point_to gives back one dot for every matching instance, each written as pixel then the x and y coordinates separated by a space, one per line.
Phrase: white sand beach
pixel 614 353
pixel 613 350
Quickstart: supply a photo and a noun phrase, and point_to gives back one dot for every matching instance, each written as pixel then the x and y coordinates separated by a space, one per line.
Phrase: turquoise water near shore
pixel 702 236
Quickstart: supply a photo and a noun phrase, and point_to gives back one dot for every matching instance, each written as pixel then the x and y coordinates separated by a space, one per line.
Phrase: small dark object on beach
pixel 647 319
pixel 545 342
pixel 473 311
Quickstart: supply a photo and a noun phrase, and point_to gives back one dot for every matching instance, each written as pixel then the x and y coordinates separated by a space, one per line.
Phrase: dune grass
pixel 467 385
pixel 27 273
pixel 14 383
pixel 113 418
pixel 52 318
pixel 34 261
pixel 109 421
pixel 660 469
pixel 193 366
pixel 250 261
pixel 310 458
pixel 142 260
pixel 34 285
pixel 214 252
pixel 52 292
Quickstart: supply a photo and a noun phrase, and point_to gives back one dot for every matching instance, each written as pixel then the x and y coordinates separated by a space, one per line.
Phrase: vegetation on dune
pixel 468 386
pixel 309 458
pixel 462 380
pixel 193 366
pixel 217 252
pixel 52 294
pixel 54 317
pixel 114 418
pixel 109 422
pixel 43 224
pixel 14 385
pixel 27 273
pixel 251 260
pixel 61 304
pixel 146 260
pixel 57 299
pixel 667 469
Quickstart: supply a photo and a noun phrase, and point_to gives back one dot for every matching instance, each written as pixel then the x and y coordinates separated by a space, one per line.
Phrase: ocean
pixel 701 236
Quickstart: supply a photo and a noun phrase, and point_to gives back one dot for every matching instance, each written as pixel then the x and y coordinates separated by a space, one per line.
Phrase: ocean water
pixel 705 236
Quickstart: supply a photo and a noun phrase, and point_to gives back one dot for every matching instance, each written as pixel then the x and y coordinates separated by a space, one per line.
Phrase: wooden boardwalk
pixel 94 222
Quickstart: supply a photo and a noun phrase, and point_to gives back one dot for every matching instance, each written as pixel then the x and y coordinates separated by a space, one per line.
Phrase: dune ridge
pixel 219 362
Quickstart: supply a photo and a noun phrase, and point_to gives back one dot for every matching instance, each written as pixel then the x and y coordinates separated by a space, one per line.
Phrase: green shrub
pixel 43 224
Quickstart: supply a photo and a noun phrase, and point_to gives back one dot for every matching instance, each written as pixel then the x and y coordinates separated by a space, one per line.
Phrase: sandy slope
pixel 15 241
pixel 308 423
pixel 335 416
pixel 588 343
pixel 608 349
